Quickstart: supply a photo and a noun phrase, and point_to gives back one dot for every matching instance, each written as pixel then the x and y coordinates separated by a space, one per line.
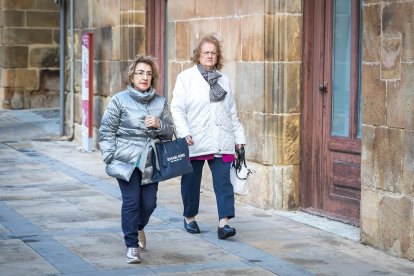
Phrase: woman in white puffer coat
pixel 204 111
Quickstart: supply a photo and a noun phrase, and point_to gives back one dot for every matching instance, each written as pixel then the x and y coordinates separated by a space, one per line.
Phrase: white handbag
pixel 239 174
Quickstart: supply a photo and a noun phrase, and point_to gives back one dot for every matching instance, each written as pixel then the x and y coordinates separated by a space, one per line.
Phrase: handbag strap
pixel 240 159
pixel 162 141
pixel 154 148
pixel 239 162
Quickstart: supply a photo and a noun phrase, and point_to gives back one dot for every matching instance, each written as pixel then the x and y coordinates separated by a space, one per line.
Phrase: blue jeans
pixel 191 182
pixel 138 204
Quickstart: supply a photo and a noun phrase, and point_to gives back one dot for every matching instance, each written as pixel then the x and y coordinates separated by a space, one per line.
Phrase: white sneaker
pixel 142 241
pixel 133 256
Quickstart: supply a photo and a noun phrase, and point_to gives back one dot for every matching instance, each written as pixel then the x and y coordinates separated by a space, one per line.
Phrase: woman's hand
pixel 189 140
pixel 152 121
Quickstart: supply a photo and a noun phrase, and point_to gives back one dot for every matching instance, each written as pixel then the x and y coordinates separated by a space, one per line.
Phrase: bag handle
pixel 240 159
pixel 154 148
pixel 239 162
pixel 157 163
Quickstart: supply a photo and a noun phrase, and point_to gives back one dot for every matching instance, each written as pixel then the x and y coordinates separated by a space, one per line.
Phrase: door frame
pixel 312 49
pixel 314 168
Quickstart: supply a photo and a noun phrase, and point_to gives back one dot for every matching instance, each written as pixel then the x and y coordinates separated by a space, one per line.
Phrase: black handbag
pixel 170 159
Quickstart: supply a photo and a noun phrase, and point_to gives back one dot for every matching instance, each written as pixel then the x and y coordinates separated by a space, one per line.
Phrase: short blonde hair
pixel 197 50
pixel 129 72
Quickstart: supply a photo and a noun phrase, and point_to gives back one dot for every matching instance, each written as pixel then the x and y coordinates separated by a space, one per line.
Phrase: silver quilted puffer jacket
pixel 123 137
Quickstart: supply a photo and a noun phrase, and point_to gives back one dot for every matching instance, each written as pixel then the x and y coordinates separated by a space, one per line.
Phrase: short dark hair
pixel 197 50
pixel 129 72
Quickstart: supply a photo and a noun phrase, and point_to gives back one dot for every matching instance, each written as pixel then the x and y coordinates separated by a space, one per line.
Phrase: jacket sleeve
pixel 165 132
pixel 238 128
pixel 178 108
pixel 107 131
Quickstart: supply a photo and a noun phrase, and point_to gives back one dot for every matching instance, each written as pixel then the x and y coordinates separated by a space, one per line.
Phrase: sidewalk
pixel 60 215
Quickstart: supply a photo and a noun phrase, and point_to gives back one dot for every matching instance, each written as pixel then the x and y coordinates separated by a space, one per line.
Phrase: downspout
pixel 71 68
pixel 62 68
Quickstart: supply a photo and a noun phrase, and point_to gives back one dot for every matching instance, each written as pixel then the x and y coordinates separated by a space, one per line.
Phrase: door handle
pixel 323 87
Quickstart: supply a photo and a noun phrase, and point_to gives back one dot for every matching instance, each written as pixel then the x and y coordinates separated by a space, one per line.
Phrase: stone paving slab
pixel 15 252
pixel 16 125
pixel 88 253
pixel 60 215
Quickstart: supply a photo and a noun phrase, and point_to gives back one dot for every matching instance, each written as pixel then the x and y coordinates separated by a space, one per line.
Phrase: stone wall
pixel 262 50
pixel 29 54
pixel 387 219
pixel 119 34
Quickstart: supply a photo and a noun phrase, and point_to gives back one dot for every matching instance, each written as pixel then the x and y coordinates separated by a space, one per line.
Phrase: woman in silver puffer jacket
pixel 133 118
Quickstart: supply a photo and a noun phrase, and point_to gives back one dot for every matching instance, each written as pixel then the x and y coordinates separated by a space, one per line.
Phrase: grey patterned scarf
pixel 217 93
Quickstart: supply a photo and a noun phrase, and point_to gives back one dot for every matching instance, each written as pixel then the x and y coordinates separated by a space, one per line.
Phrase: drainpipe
pixel 71 68
pixel 62 67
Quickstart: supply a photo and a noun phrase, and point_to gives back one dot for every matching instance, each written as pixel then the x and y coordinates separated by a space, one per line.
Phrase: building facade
pixel 324 89
pixel 29 54
pixel 387 167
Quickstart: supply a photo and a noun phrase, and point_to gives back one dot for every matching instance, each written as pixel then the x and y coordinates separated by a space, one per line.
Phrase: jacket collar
pixel 141 97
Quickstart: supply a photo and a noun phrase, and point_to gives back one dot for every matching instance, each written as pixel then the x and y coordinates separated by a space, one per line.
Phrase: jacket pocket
pixel 226 139
pixel 126 151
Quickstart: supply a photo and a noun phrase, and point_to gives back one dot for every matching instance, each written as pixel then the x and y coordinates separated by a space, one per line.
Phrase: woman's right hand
pixel 189 140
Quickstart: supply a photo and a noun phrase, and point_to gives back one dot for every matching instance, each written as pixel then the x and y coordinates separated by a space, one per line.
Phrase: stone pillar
pixel 388 127
pixel 29 54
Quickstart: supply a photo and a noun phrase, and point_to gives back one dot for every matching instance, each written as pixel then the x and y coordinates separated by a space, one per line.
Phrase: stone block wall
pixel 119 30
pixel 262 50
pixel 29 54
pixel 387 199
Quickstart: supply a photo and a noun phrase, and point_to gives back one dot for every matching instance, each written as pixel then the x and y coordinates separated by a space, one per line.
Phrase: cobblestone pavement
pixel 60 215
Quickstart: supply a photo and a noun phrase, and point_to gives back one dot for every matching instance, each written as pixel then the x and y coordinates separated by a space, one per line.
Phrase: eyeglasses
pixel 207 53
pixel 141 74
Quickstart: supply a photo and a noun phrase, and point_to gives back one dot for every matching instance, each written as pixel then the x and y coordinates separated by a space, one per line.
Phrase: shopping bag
pixel 239 173
pixel 170 159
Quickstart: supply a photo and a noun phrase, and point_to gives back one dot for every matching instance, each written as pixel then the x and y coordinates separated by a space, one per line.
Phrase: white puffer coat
pixel 214 127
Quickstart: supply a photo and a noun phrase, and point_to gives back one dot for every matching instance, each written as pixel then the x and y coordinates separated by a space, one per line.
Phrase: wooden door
pixel 331 145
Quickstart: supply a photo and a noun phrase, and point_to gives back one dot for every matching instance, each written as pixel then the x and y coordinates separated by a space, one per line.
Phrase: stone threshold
pixel 338 228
